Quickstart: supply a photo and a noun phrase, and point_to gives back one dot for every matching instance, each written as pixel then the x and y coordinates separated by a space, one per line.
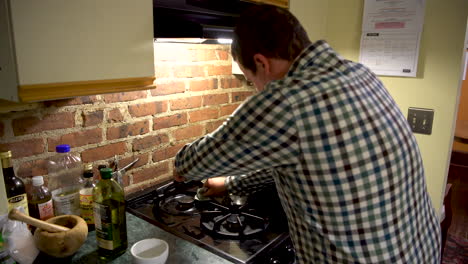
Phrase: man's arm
pixel 260 135
pixel 248 183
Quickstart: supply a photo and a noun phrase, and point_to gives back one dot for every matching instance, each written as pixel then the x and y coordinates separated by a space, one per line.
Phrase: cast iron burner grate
pixel 234 221
pixel 176 199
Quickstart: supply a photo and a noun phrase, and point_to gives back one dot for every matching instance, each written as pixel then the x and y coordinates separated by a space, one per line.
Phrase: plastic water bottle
pixel 65 170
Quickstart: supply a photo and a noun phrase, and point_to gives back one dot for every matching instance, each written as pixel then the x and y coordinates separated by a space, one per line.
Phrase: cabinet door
pixel 74 48
pixel 280 3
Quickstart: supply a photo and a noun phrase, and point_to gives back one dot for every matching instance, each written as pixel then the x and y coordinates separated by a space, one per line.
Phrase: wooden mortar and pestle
pixel 59 236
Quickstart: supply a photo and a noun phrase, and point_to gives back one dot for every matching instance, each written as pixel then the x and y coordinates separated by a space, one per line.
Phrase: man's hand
pixel 177 177
pixel 215 186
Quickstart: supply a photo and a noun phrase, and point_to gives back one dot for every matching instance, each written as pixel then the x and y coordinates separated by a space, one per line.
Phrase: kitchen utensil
pixel 150 251
pixel 65 243
pixel 118 173
pixel 49 227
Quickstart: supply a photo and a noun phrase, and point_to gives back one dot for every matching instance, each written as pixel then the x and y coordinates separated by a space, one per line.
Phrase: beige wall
pixel 313 16
pixel 438 80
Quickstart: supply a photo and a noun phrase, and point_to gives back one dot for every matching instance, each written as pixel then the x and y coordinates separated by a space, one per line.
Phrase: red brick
pixel 202 55
pixel 2 129
pixel 30 125
pixel 231 82
pixel 151 172
pixel 76 139
pixel 166 153
pixel 92 118
pixel 142 160
pixel 186 103
pixel 168 52
pixel 188 132
pixel 184 71
pixel 103 152
pixel 25 148
pixel 222 54
pixel 219 70
pixel 212 126
pixel 149 142
pixel 168 88
pixel 240 96
pixel 32 168
pixel 228 109
pixel 203 85
pixel 114 115
pixel 146 109
pixel 204 114
pixel 163 70
pixel 215 99
pixel 138 128
pixel 73 101
pixel 124 97
pixel 169 121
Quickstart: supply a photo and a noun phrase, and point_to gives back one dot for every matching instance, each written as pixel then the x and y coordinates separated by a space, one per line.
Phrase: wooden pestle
pixel 14 214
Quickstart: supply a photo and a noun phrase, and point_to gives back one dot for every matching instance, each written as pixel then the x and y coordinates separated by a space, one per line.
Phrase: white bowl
pixel 151 250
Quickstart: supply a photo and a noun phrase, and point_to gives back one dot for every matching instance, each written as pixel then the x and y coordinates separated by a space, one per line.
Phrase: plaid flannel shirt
pixel 345 163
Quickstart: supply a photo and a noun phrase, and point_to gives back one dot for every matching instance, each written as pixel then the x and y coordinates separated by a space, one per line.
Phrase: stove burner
pixel 180 204
pixel 234 221
pixel 184 203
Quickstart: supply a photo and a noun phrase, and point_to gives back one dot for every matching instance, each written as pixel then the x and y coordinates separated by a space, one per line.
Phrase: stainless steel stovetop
pixel 248 230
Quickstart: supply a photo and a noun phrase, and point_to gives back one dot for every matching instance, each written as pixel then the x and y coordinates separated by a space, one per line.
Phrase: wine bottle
pixel 15 189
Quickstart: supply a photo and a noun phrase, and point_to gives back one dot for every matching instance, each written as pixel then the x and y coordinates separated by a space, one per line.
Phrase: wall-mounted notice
pixel 393 54
pixel 391 31
pixel 393 15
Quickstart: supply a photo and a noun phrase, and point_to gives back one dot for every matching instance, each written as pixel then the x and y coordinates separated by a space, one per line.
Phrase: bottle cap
pixel 106 173
pixel 6 154
pixel 37 180
pixel 62 148
pixel 88 166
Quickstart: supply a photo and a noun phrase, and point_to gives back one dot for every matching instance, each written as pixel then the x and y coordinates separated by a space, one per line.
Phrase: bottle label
pixel 66 201
pixel 19 201
pixel 46 210
pixel 86 205
pixel 103 223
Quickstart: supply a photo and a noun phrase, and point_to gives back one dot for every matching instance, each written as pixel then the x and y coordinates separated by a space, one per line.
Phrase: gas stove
pixel 250 229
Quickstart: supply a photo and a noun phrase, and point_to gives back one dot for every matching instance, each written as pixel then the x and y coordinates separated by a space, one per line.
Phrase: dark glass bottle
pixel 40 200
pixel 15 189
pixel 109 216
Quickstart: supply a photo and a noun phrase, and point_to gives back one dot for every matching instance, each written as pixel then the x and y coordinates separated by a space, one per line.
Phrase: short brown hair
pixel 271 31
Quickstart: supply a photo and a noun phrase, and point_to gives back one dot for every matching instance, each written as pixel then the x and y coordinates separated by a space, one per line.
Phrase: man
pixel 324 129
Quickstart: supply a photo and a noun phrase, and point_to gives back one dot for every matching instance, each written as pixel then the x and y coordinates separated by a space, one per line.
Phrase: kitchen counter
pixel 180 251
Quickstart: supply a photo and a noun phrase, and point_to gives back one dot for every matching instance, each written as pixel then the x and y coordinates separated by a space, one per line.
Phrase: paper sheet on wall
pixel 393 54
pixel 393 15
pixel 391 31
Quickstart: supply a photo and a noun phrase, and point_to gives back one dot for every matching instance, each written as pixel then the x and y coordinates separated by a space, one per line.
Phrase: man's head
pixel 267 39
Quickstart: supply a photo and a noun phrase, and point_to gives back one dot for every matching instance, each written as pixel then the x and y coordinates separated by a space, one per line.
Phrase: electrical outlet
pixel 420 120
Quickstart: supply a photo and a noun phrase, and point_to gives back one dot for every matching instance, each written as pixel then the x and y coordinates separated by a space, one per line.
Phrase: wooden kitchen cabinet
pixel 53 49
pixel 280 3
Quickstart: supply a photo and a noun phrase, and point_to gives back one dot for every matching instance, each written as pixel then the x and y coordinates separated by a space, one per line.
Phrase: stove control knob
pixel 274 260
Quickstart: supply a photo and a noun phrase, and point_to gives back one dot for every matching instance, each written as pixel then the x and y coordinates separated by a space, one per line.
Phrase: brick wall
pixel 195 93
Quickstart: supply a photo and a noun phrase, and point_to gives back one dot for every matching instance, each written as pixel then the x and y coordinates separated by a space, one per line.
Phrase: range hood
pixel 205 19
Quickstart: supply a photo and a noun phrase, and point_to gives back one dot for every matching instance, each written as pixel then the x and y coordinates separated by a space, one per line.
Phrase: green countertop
pixel 180 251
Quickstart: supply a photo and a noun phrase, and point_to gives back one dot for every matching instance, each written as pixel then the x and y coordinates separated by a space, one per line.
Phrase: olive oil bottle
pixel 15 189
pixel 109 216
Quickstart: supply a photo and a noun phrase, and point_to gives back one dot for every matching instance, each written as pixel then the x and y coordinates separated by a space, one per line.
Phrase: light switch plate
pixel 420 120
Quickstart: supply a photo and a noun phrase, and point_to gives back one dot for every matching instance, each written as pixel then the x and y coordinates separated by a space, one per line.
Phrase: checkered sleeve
pixel 260 135
pixel 248 183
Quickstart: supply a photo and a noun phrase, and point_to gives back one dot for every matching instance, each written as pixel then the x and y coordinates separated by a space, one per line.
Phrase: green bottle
pixel 109 216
